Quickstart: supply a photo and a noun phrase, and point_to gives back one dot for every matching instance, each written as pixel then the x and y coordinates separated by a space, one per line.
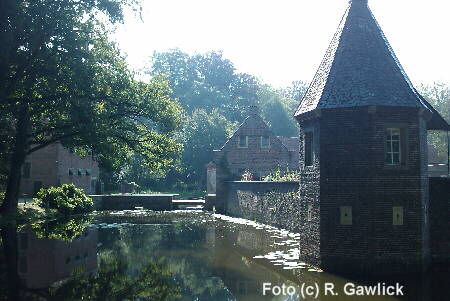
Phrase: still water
pixel 143 255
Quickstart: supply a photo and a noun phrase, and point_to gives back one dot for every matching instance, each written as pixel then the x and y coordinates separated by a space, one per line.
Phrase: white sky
pixel 284 40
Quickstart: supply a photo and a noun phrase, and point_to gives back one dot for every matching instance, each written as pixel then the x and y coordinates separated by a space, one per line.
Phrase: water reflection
pixel 176 256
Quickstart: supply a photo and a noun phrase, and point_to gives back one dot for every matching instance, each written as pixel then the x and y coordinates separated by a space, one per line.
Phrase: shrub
pixel 279 176
pixel 247 176
pixel 67 199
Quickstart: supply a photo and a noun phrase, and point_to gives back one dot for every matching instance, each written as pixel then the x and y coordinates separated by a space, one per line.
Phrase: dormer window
pixel 243 142
pixel 265 142
pixel 393 146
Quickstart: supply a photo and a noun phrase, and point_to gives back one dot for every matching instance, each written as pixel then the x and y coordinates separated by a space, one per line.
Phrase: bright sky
pixel 281 41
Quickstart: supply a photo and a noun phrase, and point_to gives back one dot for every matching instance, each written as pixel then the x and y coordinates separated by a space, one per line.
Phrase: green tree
pixel 207 81
pixel 202 133
pixel 62 79
pixel 276 112
pixel 438 95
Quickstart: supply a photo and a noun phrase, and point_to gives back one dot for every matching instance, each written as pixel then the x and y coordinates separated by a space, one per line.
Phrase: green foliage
pixel 216 99
pixel 151 282
pixel 63 80
pixel 67 199
pixel 62 229
pixel 438 95
pixel 203 133
pixel 247 176
pixel 283 176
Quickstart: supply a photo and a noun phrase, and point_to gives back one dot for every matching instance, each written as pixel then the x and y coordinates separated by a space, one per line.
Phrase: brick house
pixel 364 189
pixel 255 148
pixel 55 165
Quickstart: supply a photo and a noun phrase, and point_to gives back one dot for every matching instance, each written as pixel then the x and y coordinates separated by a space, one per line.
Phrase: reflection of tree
pixel 112 282
pixel 115 279
pixel 65 229
pixel 182 245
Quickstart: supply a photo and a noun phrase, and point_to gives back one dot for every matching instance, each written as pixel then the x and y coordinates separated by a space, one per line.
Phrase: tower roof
pixel 359 68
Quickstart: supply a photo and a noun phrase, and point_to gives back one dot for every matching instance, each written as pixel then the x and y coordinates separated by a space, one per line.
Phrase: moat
pixel 137 255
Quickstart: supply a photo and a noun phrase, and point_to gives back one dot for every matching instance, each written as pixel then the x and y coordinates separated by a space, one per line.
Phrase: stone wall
pixel 272 203
pixel 157 202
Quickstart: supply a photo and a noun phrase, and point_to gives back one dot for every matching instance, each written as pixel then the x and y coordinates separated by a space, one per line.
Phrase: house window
pixel 26 170
pixel 309 154
pixel 265 142
pixel 243 142
pixel 346 215
pixel 393 146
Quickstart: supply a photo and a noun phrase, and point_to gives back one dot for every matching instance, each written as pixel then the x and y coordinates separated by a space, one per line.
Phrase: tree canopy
pixel 63 80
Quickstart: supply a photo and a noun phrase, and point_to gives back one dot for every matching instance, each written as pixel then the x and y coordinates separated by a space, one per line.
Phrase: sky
pixel 280 41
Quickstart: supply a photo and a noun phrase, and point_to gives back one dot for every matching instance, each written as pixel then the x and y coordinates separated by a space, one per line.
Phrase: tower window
pixel 393 146
pixel 346 215
pixel 243 142
pixel 397 216
pixel 265 142
pixel 309 154
pixel 310 213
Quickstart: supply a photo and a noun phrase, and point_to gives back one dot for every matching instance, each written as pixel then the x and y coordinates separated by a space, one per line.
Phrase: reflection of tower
pixel 43 261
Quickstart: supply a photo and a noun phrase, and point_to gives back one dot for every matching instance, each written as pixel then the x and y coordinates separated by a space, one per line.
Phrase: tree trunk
pixel 9 238
pixel 15 171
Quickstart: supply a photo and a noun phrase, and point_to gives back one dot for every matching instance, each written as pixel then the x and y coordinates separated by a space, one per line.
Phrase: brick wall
pixel 42 170
pixel 68 160
pixel 440 219
pixel 349 166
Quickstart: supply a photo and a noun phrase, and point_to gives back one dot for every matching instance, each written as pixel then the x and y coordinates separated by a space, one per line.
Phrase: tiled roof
pixel 359 68
pixel 291 143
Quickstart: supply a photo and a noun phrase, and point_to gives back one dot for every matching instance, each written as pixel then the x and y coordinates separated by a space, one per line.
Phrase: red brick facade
pixel 254 148
pixel 55 165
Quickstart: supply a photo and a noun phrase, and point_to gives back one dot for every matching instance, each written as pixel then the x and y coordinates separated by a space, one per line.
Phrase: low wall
pixel 273 203
pixel 157 202
pixel 440 219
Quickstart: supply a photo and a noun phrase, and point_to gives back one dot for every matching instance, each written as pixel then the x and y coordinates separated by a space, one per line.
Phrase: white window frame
pixel 390 146
pixel 261 142
pixel 239 142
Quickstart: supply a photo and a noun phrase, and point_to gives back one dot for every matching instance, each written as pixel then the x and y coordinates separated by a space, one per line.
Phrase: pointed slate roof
pixel 359 68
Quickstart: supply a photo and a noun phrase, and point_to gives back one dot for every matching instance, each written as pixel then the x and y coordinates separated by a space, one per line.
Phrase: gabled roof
pixel 290 143
pixel 359 68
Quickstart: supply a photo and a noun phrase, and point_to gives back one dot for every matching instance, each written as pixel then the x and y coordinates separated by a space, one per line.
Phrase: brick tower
pixel 363 148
